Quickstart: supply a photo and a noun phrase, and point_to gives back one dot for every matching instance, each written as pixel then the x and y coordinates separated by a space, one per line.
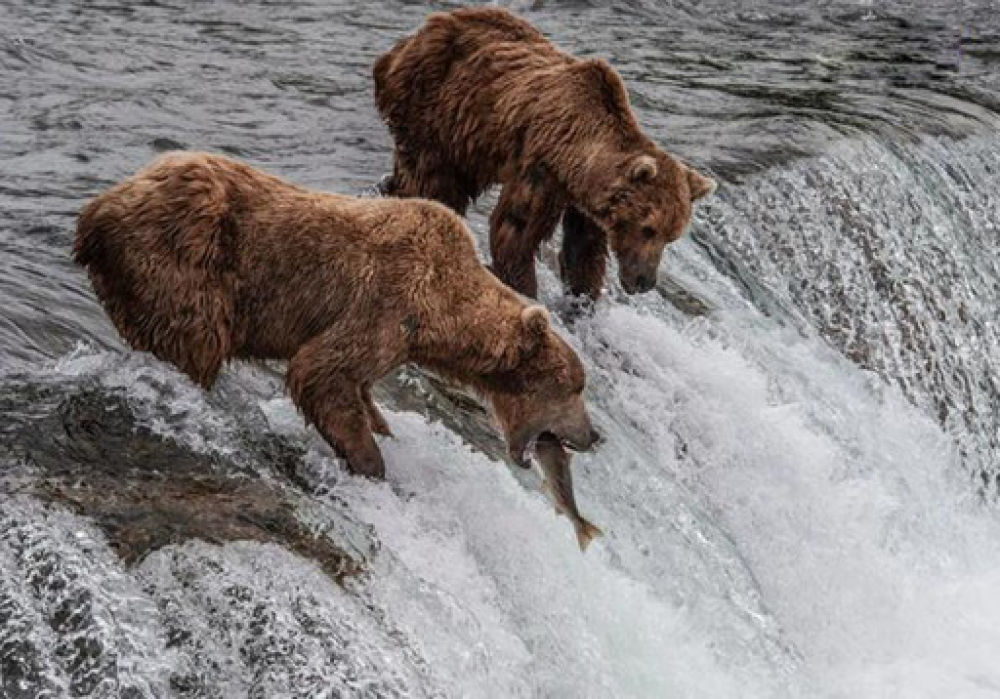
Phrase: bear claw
pixel 371 467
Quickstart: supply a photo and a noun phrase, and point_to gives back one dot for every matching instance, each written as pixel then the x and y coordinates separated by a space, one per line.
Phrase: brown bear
pixel 199 259
pixel 479 97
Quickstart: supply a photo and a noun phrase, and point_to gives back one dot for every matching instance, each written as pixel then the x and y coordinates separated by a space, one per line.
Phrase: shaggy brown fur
pixel 478 97
pixel 199 258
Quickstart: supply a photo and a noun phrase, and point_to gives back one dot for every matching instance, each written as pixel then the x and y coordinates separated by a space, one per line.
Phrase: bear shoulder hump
pixel 446 223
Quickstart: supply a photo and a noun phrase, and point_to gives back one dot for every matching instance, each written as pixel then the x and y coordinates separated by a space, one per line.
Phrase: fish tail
pixel 585 533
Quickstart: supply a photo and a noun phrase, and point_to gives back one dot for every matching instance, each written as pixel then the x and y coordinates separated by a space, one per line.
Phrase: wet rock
pixel 85 450
pixel 162 144
pixel 140 517
pixel 684 300
pixel 412 389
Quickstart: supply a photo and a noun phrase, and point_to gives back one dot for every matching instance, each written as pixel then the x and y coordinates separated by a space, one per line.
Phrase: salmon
pixel 558 482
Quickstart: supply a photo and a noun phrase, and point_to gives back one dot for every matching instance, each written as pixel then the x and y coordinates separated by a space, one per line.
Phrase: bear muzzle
pixel 578 437
pixel 582 441
pixel 637 282
pixel 638 273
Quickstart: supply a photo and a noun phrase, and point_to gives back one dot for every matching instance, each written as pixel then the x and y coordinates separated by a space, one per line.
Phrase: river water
pixel 798 491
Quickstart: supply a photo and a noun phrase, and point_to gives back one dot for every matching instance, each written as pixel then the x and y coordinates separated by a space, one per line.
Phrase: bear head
pixel 643 201
pixel 542 391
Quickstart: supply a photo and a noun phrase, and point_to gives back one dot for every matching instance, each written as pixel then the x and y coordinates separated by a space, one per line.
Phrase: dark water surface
pixel 791 487
pixel 91 91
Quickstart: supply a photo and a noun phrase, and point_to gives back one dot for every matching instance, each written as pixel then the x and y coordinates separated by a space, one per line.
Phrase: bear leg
pixel 346 428
pixel 375 417
pixel 324 383
pixel 440 182
pixel 526 214
pixel 584 254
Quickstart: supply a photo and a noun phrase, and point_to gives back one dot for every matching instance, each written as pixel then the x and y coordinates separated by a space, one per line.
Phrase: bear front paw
pixel 370 465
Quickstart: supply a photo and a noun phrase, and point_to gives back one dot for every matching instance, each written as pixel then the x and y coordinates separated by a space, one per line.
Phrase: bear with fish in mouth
pixel 478 97
pixel 199 259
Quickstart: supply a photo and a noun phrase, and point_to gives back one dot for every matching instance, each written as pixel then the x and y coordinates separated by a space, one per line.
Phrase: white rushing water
pixel 778 522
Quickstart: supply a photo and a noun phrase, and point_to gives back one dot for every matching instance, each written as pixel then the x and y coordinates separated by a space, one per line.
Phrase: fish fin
pixel 585 533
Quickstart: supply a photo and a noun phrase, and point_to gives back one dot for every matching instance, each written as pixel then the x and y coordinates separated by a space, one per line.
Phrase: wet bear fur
pixel 200 259
pixel 478 97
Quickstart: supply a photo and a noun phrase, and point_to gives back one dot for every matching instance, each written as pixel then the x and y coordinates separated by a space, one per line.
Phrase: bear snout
pixel 574 428
pixel 638 269
pixel 583 441
pixel 595 438
pixel 637 283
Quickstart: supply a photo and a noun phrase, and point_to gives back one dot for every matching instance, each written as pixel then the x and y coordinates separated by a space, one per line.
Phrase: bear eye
pixel 648 232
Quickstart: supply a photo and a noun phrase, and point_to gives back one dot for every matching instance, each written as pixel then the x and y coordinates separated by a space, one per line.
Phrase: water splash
pixel 887 250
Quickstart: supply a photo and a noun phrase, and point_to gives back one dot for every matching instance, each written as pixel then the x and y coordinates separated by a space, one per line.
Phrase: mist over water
pixel 798 487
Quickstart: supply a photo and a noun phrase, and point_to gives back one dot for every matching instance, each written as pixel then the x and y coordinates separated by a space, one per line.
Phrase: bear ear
pixel 700 185
pixel 535 321
pixel 643 169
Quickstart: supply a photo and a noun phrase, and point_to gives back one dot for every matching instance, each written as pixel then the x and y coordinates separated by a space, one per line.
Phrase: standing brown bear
pixel 199 259
pixel 478 97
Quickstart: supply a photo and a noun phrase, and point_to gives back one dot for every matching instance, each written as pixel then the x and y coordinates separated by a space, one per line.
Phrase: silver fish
pixel 555 463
